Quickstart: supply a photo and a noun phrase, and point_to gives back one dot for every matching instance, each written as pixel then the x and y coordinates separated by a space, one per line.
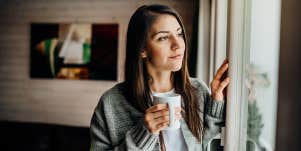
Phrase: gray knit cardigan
pixel 117 125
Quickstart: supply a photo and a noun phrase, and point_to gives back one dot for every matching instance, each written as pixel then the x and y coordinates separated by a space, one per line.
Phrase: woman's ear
pixel 143 54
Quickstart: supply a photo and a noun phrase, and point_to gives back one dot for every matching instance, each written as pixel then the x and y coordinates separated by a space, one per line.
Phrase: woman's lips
pixel 176 56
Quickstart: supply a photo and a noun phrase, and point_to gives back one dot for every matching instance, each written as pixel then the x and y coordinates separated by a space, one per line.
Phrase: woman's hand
pixel 220 82
pixel 156 117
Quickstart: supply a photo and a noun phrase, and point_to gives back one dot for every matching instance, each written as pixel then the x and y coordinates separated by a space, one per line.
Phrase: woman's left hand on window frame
pixel 220 82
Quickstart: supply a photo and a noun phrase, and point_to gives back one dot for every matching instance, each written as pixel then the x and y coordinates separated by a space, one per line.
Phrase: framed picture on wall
pixel 74 51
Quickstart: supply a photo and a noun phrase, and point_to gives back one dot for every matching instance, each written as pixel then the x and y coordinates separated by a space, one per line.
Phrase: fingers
pixel 222 70
pixel 160 113
pixel 226 61
pixel 178 116
pixel 178 110
pixel 157 117
pixel 161 122
pixel 220 81
pixel 165 112
pixel 162 125
pixel 157 108
pixel 224 84
pixel 165 119
pixel 161 119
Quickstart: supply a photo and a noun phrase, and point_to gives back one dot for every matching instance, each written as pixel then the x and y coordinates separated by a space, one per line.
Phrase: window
pixel 247 32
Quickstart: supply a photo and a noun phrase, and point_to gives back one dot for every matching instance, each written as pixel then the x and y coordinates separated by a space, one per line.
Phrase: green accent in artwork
pixel 86 53
pixel 47 46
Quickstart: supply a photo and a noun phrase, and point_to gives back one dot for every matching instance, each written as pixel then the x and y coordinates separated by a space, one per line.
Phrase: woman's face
pixel 165 45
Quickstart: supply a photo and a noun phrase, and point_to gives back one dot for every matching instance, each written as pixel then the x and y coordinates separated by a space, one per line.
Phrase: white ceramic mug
pixel 173 100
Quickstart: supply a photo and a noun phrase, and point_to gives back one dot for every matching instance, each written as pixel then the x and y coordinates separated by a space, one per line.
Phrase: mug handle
pixel 171 114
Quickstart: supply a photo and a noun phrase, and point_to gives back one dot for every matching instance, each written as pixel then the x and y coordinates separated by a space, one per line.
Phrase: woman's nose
pixel 176 43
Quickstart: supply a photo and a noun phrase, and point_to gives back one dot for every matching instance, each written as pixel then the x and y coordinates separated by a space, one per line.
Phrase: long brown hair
pixel 136 76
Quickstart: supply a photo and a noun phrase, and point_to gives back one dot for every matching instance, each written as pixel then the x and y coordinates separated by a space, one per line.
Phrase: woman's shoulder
pixel 114 92
pixel 113 97
pixel 114 105
pixel 199 84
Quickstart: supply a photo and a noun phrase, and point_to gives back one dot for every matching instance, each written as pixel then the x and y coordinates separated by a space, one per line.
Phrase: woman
pixel 156 62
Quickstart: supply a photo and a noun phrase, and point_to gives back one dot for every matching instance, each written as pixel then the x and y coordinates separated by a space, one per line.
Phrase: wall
pixel 65 102
pixel 289 92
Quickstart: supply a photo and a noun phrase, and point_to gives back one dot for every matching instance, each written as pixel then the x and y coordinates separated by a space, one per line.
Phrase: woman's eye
pixel 181 34
pixel 163 38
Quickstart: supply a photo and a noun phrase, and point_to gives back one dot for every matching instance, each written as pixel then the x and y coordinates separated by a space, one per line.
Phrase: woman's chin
pixel 176 68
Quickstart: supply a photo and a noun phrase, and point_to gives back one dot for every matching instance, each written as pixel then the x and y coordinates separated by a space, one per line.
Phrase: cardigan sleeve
pixel 214 114
pixel 136 138
pixel 214 120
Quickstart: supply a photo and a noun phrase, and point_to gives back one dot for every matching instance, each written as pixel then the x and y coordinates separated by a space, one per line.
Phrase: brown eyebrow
pixel 152 36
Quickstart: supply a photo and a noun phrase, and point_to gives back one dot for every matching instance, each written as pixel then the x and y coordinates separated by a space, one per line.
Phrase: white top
pixel 173 139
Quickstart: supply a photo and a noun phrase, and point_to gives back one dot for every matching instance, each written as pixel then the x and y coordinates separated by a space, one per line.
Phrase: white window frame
pixel 238 44
pixel 224 30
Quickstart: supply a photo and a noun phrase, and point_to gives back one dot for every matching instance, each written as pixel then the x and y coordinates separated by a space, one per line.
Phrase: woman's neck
pixel 160 81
